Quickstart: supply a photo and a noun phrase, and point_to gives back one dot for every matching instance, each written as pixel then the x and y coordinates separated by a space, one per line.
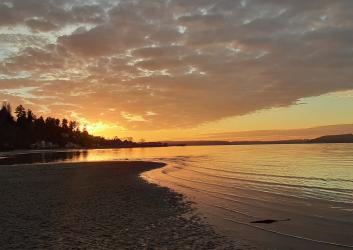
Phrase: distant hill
pixel 345 138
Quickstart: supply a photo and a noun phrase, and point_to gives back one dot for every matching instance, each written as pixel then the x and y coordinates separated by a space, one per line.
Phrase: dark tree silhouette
pixel 27 131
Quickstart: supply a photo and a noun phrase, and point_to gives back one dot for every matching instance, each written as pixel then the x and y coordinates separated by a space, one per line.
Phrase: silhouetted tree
pixel 7 127
pixel 64 124
pixel 21 115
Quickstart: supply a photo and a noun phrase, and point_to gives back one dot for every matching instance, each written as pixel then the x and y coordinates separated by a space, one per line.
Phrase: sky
pixel 181 69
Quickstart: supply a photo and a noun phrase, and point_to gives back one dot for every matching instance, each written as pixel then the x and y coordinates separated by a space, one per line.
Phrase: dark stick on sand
pixel 269 221
pixel 96 206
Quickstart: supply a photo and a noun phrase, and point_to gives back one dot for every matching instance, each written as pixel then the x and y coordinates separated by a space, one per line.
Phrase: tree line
pixel 25 130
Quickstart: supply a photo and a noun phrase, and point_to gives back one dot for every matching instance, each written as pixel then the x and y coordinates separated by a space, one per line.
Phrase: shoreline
pixel 100 205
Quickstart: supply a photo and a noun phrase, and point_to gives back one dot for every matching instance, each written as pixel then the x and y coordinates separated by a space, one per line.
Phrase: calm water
pixel 310 187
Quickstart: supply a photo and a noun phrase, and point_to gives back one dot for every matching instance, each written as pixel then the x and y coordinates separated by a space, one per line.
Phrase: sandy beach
pixel 102 205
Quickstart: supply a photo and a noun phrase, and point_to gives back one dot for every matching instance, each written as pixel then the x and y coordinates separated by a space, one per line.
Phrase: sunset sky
pixel 182 69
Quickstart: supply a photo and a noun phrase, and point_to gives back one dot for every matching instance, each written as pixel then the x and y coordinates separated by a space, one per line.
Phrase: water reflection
pixel 44 157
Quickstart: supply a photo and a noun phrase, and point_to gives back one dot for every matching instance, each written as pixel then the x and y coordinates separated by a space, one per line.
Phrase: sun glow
pixel 99 127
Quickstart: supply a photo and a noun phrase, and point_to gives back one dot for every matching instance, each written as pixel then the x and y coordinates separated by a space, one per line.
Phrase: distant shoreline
pixel 343 138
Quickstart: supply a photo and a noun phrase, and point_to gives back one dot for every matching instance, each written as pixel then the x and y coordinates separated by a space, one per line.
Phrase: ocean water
pixel 303 192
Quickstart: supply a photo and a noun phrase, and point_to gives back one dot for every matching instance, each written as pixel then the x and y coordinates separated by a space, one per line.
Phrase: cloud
pixel 132 118
pixel 40 25
pixel 50 15
pixel 190 62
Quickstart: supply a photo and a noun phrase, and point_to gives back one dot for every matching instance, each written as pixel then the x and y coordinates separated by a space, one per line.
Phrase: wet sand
pixel 102 205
